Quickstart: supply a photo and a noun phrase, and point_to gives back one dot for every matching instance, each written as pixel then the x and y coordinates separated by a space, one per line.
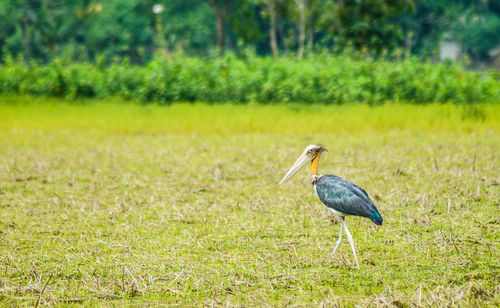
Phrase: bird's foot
pixel 333 253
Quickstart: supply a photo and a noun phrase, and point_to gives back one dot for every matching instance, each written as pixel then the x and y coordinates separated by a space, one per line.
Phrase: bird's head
pixel 311 152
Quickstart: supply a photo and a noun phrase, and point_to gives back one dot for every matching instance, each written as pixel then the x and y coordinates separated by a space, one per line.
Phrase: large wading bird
pixel 340 196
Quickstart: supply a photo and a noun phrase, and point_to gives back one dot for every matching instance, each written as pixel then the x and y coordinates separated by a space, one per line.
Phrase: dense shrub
pixel 320 79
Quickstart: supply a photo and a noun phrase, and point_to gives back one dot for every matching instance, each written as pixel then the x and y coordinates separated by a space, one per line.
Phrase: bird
pixel 341 197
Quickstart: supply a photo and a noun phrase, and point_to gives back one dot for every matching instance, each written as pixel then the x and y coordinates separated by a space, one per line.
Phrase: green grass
pixel 113 203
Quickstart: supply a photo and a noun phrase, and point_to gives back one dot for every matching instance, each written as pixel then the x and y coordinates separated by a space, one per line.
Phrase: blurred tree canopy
pixel 96 30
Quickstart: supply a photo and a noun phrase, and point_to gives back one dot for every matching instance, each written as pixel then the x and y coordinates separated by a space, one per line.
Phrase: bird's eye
pixel 309 152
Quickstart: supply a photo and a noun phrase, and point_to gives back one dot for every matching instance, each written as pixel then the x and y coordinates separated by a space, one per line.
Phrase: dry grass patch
pixel 103 217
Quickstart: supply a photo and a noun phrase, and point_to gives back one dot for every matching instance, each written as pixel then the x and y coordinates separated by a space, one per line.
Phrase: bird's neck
pixel 314 167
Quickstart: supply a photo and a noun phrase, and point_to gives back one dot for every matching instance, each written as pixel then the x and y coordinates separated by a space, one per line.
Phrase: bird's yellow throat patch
pixel 314 165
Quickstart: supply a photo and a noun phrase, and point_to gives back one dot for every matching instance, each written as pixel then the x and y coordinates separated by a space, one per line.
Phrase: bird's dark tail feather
pixel 376 218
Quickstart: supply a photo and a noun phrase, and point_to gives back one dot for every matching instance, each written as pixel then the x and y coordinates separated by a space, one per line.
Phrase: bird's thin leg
pixel 351 241
pixel 339 240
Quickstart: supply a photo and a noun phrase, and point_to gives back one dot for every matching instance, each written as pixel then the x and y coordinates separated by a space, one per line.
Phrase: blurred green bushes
pixel 317 79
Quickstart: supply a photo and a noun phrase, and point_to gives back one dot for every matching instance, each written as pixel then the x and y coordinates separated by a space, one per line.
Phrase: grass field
pixel 116 203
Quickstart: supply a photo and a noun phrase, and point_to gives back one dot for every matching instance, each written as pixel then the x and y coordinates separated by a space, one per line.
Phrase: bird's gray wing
pixel 347 198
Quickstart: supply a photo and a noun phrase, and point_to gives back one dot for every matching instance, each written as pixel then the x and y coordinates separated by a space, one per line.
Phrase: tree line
pixel 102 31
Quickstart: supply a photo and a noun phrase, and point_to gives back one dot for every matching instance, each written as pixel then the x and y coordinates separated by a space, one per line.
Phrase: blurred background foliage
pixel 91 30
pixel 318 78
pixel 368 51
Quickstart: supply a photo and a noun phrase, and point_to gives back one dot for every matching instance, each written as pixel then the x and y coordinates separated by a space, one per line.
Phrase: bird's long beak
pixel 301 161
